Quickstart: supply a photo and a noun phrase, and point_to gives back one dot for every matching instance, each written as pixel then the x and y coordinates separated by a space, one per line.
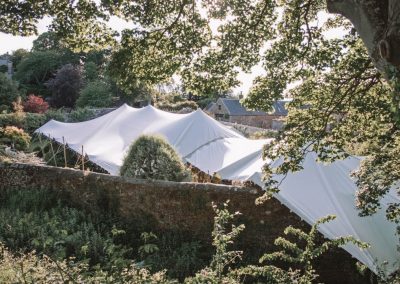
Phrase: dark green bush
pixel 81 114
pixel 8 91
pixel 177 106
pixel 39 220
pixel 95 94
pixel 151 157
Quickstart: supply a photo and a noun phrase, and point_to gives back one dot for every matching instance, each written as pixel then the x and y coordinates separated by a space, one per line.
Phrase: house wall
pixel 262 121
pixel 160 206
pixel 214 111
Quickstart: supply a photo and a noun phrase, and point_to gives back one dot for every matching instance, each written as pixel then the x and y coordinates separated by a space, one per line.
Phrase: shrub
pixel 40 220
pixel 177 106
pixel 33 268
pixel 151 157
pixel 35 104
pixel 8 91
pixel 65 86
pixel 81 114
pixel 265 134
pixel 27 121
pixel 56 114
pixel 95 94
pixel 14 136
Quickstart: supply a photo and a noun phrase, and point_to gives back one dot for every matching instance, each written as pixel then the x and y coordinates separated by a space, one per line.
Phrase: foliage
pixel 3 68
pixel 179 257
pixel 16 137
pixel 8 91
pixel 65 86
pixel 47 41
pixel 90 71
pixel 17 56
pixel 177 106
pixel 264 134
pixel 33 268
pixel 36 68
pixel 81 114
pixel 29 121
pixel 35 104
pixel 95 94
pixel 221 270
pixel 151 157
pixel 39 220
pixel 73 243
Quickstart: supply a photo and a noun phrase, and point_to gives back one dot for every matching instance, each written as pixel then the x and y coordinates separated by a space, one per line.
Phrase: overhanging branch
pixel 370 19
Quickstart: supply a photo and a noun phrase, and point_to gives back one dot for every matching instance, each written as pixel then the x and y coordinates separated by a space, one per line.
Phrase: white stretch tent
pixel 315 192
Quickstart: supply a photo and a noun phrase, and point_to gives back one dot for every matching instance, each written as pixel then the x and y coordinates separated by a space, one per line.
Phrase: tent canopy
pixel 315 192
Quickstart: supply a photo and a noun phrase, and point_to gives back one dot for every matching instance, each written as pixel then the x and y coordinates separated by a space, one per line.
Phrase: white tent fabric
pixel 315 192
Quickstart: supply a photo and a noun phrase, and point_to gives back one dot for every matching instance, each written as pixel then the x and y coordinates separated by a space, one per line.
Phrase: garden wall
pixel 183 207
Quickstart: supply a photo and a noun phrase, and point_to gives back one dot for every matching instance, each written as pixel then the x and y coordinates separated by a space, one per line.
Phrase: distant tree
pixel 3 68
pixel 37 68
pixel 18 55
pixel 47 41
pixel 8 91
pixel 90 71
pixel 65 86
pixel 95 94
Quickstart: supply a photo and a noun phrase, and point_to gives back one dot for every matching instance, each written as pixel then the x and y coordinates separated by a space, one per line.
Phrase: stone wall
pixel 183 207
pixel 246 130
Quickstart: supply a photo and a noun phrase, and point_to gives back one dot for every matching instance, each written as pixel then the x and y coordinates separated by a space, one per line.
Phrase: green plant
pixel 81 114
pixel 56 114
pixel 8 91
pixel 40 220
pixel 151 157
pixel 179 256
pixel 297 254
pixel 33 268
pixel 264 134
pixel 177 106
pixel 15 137
pixel 95 94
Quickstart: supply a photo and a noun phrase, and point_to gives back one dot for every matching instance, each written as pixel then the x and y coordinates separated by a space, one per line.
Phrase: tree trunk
pixel 378 24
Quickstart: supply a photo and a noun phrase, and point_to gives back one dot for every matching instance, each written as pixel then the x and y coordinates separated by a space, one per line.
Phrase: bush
pixel 40 220
pixel 65 86
pixel 56 114
pixel 177 106
pixel 8 91
pixel 81 114
pixel 95 94
pixel 27 121
pixel 151 157
pixel 35 104
pixel 15 137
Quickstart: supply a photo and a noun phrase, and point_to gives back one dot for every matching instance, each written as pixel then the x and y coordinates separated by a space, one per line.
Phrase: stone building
pixel 231 110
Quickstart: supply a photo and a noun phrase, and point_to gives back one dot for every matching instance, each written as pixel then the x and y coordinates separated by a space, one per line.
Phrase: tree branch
pixel 370 19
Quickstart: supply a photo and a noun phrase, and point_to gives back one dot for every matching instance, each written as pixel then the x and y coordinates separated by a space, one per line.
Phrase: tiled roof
pixel 279 108
pixel 209 106
pixel 235 108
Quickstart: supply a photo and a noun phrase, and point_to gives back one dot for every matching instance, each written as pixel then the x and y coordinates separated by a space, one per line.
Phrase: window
pixel 219 107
